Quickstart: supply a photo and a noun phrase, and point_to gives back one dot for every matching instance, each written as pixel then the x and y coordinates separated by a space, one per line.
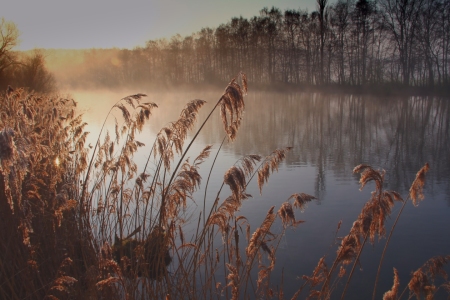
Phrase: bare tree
pixel 428 36
pixel 364 9
pixel 340 20
pixel 33 74
pixel 291 29
pixel 321 5
pixel 9 38
pixel 401 17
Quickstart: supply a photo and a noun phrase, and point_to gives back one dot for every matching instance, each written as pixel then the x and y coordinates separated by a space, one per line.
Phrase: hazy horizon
pixel 54 24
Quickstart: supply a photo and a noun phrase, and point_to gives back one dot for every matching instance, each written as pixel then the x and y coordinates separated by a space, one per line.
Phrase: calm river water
pixel 330 135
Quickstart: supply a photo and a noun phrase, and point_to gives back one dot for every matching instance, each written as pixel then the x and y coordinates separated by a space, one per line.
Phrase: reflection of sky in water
pixel 330 136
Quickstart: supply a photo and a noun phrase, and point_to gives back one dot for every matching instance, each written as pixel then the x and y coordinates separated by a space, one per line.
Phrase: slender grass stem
pixel 385 247
pixel 354 266
pixel 209 176
pixel 164 195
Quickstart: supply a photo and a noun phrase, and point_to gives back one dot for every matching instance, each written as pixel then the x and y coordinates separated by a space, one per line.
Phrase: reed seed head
pixel 392 293
pixel 416 190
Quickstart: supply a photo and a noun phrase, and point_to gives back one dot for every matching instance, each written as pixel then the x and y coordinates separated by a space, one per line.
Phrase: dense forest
pixel 351 43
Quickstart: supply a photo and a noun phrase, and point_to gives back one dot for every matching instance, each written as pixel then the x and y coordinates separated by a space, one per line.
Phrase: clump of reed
pixel 85 222
pixel 42 155
pixel 324 281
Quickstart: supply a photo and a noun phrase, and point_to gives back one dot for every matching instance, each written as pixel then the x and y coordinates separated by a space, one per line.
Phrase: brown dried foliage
pixel 286 211
pixel 270 165
pixel 318 276
pixel 232 105
pixel 286 214
pixel 258 236
pixel 233 281
pixel 300 200
pixel 416 190
pixel 423 279
pixel 172 136
pixel 236 178
pixel 392 293
pixel 350 246
pixel 185 184
pixel 42 156
pixel 372 218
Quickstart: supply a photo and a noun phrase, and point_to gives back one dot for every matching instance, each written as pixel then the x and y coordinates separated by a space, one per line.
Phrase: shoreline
pixel 383 90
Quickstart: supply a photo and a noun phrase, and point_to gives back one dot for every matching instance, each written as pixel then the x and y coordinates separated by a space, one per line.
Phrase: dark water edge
pixel 379 90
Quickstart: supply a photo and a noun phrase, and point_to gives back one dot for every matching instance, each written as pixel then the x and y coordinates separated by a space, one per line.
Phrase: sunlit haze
pixel 124 24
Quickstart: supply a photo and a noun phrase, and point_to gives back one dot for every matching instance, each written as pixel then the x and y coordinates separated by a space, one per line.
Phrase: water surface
pixel 330 135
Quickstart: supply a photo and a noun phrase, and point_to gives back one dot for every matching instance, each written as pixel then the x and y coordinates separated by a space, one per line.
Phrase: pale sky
pixel 74 24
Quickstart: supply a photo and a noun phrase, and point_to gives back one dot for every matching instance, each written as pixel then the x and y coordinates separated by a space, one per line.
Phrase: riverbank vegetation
pixel 84 221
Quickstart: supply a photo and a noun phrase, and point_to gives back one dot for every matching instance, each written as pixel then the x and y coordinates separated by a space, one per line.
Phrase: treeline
pixel 22 69
pixel 345 43
pixel 353 43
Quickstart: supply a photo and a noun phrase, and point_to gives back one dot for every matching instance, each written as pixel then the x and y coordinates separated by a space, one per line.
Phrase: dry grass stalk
pixel 232 105
pixel 286 214
pixel 420 285
pixel 219 219
pixel 63 284
pixel 369 174
pixel 185 184
pixel 7 154
pixel 258 236
pixel 342 272
pixel 235 179
pixel 300 200
pixel 318 276
pixel 370 222
pixel 423 279
pixel 392 293
pixel 263 274
pixel 39 172
pixel 270 165
pixel 416 190
pixel 174 135
pixel 374 213
pixel 350 246
pixel 286 211
pixel 233 281
pixel 262 283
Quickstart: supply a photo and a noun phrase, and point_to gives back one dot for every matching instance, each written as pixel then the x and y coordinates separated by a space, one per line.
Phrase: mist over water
pixel 330 135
